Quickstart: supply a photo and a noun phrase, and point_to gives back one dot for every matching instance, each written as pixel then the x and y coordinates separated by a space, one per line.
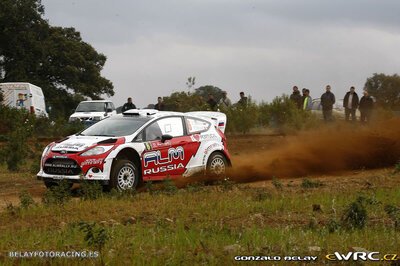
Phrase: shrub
pixel 195 187
pixel 355 216
pixel 25 199
pixel 394 214
pixel 261 194
pixel 58 195
pixel 96 236
pixel 169 187
pixel 307 183
pixel 277 183
pixel 332 225
pixel 240 119
pixel 226 184
pixel 397 168
pixel 91 190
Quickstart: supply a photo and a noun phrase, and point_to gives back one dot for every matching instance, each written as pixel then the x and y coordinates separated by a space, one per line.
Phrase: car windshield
pixel 115 127
pixel 91 107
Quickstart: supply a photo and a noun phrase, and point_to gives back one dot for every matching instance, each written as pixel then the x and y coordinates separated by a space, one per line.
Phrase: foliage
pixel 242 118
pixel 95 236
pixel 277 183
pixel 184 102
pixel 394 214
pixel 203 91
pixel 18 126
pixel 283 114
pixel 307 183
pixel 385 88
pixel 169 187
pixel 25 199
pixel 58 194
pixel 355 216
pixel 53 58
pixel 397 168
pixel 91 190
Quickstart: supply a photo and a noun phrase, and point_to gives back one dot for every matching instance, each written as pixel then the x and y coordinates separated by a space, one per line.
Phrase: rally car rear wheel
pixel 217 165
pixel 125 175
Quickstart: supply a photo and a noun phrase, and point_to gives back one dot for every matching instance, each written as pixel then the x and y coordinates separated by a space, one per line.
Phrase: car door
pixel 165 159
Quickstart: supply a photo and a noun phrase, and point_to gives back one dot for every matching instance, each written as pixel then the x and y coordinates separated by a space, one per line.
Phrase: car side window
pixel 153 132
pixel 172 126
pixel 194 125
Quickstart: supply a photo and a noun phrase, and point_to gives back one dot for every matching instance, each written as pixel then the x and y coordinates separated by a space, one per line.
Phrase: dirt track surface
pixel 337 154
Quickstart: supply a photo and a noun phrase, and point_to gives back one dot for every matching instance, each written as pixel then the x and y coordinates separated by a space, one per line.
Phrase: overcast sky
pixel 260 47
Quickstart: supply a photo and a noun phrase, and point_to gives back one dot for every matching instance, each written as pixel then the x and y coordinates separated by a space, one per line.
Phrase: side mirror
pixel 165 137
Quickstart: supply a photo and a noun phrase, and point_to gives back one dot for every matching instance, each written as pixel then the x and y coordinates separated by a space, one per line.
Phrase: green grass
pixel 192 226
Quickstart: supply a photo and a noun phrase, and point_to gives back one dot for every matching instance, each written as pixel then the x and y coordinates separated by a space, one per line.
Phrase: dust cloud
pixel 328 150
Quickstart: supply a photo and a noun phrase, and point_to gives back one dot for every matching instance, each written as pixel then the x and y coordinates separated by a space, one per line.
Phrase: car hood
pixel 87 114
pixel 77 143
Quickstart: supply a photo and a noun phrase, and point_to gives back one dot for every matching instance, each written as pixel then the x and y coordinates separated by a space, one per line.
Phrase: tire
pixel 217 165
pixel 124 175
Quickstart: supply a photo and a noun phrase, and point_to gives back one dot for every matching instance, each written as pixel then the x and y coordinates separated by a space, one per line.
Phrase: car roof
pixel 151 113
pixel 97 101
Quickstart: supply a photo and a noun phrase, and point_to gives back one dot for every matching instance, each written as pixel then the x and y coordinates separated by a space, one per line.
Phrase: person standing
pixel 366 106
pixel 211 102
pixel 224 102
pixel 160 104
pixel 243 100
pixel 296 97
pixel 129 105
pixel 327 102
pixel 350 104
pixel 307 100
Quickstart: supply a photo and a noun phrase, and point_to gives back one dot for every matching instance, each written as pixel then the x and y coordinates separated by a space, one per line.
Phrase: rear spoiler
pixel 217 118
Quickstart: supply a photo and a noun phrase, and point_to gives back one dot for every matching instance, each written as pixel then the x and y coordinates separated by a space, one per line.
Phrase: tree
pixel 386 89
pixel 184 102
pixel 203 91
pixel 54 58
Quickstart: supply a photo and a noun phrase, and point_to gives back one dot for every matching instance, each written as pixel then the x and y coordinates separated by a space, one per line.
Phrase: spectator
pixel 350 104
pixel 327 102
pixel 225 102
pixel 160 106
pixel 243 100
pixel 307 100
pixel 296 97
pixel 129 105
pixel 366 106
pixel 211 102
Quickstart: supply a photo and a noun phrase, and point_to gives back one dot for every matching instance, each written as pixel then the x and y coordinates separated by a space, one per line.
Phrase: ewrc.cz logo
pixel 156 157
pixel 363 256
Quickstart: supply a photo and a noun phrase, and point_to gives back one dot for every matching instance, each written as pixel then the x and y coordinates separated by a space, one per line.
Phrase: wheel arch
pixel 129 154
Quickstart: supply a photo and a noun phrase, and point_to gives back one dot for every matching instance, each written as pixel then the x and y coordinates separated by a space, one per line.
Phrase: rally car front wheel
pixel 217 165
pixel 124 175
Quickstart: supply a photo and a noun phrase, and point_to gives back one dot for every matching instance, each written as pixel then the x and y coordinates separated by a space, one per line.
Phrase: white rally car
pixel 139 145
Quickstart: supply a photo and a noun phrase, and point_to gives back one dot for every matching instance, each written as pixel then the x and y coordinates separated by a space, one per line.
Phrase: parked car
pixel 338 110
pixel 24 95
pixel 139 145
pixel 90 112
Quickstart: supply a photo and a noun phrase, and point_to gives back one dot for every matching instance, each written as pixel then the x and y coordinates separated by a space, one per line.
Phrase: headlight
pixel 96 118
pixel 47 149
pixel 97 150
pixel 72 119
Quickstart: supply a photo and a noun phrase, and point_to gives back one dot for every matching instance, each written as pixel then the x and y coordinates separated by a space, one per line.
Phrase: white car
pixel 90 112
pixel 140 145
pixel 338 110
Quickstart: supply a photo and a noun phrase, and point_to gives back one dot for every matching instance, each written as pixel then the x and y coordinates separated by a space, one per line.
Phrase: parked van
pixel 90 112
pixel 24 96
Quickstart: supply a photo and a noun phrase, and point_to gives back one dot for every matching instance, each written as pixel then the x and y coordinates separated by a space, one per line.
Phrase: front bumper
pixel 72 178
